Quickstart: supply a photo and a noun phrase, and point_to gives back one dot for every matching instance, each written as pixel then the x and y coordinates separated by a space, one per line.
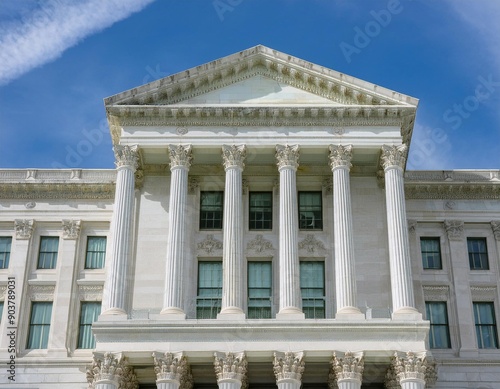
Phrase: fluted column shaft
pixel 349 384
pixel 180 162
pixel 345 274
pixel 289 276
pixel 393 159
pixel 232 252
pixel 412 383
pixel 115 296
pixel 106 385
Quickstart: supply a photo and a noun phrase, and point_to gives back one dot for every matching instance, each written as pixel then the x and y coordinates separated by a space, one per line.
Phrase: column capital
pixel 24 228
pixel 180 156
pixel 233 156
pixel 394 156
pixel 340 156
pixel 71 229
pixel 111 368
pixel 288 366
pixel 495 226
pixel 348 367
pixel 454 229
pixel 230 366
pixel 411 366
pixel 126 156
pixel 173 367
pixel 287 156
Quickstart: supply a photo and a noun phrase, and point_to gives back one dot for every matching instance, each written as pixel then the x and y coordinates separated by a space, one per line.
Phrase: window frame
pixel 480 326
pixel 217 222
pixel 425 259
pixel 483 255
pixel 44 327
pixel 307 312
pixel 5 255
pixel 55 254
pixel 267 211
pixel 103 253
pixel 266 311
pixel 307 208
pixel 216 304
pixel 435 325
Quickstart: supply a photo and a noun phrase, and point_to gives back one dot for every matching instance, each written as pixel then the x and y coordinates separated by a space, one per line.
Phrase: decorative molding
pixel 287 156
pixel 311 244
pixel 340 156
pixel 71 229
pixel 193 185
pixel 139 178
pixel 24 228
pixel 231 366
pixel 411 366
pixel 111 367
pixel 394 156
pixel 244 186
pixel 126 156
pixel 327 185
pixel 210 244
pixel 57 191
pixel 412 226
pixel 483 292
pixel 288 366
pixel 436 292
pixel 233 156
pixel 173 367
pixel 90 292
pixel 454 229
pixel 180 156
pixel 495 226
pixel 453 191
pixel 350 366
pixel 30 205
pixel 259 244
pixel 41 292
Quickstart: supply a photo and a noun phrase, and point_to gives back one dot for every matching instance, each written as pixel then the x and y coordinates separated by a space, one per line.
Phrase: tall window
pixel 478 253
pixel 431 253
pixel 96 252
pixel 211 210
pixel 208 302
pixel 89 311
pixel 47 256
pixel 312 287
pixel 439 334
pixel 261 211
pixel 38 336
pixel 5 244
pixel 310 211
pixel 259 290
pixel 486 326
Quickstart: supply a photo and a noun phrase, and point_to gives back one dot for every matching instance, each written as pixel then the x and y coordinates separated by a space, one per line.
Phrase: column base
pixel 406 314
pixel 290 313
pixel 172 313
pixel 113 314
pixel 231 313
pixel 349 313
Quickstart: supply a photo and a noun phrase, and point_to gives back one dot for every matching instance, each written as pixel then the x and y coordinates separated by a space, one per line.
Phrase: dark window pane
pixel 259 290
pixel 211 210
pixel 47 256
pixel 208 302
pixel 486 327
pixel 38 336
pixel 261 211
pixel 478 253
pixel 439 334
pixel 89 312
pixel 312 288
pixel 5 246
pixel 310 211
pixel 431 253
pixel 96 252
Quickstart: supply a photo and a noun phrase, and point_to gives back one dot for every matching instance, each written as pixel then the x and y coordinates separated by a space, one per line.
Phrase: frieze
pixel 311 244
pixel 210 244
pixel 41 292
pixel 442 191
pixel 90 292
pixel 483 293
pixel 36 191
pixel 436 292
pixel 259 244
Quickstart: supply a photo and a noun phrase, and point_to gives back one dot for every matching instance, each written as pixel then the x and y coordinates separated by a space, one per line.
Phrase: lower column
pixel 288 369
pixel 231 370
pixel 347 370
pixel 172 371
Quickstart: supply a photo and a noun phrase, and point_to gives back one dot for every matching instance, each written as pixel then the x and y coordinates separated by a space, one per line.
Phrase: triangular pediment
pixel 260 75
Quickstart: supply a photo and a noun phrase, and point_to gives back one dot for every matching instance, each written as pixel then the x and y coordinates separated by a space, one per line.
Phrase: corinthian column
pixel 180 161
pixel 231 369
pixel 232 251
pixel 347 371
pixel 172 371
pixel 290 299
pixel 345 274
pixel 115 295
pixel 410 371
pixel 403 304
pixel 111 371
pixel 288 369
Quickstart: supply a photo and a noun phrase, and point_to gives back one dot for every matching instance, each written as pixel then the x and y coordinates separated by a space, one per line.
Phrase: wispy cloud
pixel 56 25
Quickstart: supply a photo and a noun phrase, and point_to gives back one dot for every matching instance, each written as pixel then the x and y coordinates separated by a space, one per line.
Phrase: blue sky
pixel 60 58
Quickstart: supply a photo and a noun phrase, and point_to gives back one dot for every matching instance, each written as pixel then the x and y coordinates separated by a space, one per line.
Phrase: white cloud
pixel 430 149
pixel 55 26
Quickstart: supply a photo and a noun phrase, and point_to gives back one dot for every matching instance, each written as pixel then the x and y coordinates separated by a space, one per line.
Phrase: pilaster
pixel 115 297
pixel 393 161
pixel 290 306
pixel 288 369
pixel 232 250
pixel 172 371
pixel 180 162
pixel 347 370
pixel 345 274
pixel 231 370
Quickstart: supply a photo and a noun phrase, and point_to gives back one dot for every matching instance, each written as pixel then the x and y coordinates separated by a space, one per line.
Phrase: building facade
pixel 260 230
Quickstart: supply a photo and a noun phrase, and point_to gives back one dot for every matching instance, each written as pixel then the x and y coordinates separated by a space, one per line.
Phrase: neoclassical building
pixel 260 230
